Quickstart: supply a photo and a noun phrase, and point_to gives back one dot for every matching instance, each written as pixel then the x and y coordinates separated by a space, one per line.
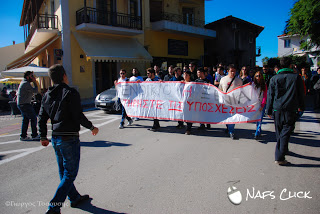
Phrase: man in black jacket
pixel 285 98
pixel 61 104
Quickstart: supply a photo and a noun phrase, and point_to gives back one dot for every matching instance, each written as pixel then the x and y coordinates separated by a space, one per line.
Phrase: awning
pixel 19 72
pixel 28 57
pixel 112 49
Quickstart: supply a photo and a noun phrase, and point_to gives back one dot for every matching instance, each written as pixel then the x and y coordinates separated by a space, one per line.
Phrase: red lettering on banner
pixel 206 107
pixel 190 104
pixel 152 101
pixel 187 92
pixel 159 104
pixel 145 103
pixel 180 105
pixel 211 107
pixel 218 107
pixel 170 101
pixel 231 111
pixel 224 108
pixel 129 103
pixel 125 100
pixel 195 106
pixel 237 110
pixel 245 109
pixel 251 109
pixel 134 102
pixel 139 103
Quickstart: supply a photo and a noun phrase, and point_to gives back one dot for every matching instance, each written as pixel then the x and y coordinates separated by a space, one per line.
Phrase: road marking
pixel 28 151
pixel 24 153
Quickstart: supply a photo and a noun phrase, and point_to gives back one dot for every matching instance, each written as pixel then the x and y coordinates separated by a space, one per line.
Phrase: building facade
pixel 93 39
pixel 290 45
pixel 235 42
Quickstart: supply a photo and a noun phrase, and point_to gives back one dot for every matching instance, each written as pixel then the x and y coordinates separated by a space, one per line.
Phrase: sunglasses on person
pixel 122 73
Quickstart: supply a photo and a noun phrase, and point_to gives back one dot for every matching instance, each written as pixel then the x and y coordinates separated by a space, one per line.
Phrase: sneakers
pixel 37 138
pixel 282 163
pixel 130 123
pixel 154 129
pixel 232 136
pixel 121 126
pixel 79 201
pixel 180 126
pixel 202 127
pixel 25 139
pixel 188 133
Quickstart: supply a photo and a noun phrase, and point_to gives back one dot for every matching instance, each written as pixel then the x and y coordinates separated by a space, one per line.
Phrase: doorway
pixel 106 74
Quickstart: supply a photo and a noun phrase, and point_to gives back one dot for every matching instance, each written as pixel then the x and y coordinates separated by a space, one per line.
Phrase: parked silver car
pixel 107 100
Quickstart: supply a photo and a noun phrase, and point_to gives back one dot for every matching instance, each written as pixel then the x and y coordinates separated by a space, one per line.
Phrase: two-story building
pixel 235 42
pixel 93 39
pixel 290 45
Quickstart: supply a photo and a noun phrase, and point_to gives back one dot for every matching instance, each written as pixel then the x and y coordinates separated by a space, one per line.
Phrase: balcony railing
pixel 187 19
pixel 258 51
pixel 42 22
pixel 102 17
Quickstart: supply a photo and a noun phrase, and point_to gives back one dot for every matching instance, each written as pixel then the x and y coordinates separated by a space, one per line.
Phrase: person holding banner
pixel 187 78
pixel 228 83
pixel 261 87
pixel 285 98
pixel 152 77
pixel 123 78
pixel 135 76
pixel 193 70
pixel 177 77
pixel 202 78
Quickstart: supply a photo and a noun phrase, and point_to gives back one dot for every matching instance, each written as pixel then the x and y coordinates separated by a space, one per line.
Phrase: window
pixel 177 47
pixel 287 43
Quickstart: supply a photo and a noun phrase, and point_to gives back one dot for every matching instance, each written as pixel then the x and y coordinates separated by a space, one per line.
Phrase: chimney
pixel 14 42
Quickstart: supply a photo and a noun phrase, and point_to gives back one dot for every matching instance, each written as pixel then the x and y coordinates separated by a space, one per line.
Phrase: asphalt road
pixel 134 170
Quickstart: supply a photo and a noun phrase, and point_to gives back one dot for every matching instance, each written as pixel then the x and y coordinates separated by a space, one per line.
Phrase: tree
pixel 305 21
pixel 265 60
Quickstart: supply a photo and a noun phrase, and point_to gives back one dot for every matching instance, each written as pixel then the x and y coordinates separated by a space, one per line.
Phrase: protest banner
pixel 189 102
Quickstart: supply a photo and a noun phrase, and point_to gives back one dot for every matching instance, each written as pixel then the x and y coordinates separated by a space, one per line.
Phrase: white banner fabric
pixel 189 102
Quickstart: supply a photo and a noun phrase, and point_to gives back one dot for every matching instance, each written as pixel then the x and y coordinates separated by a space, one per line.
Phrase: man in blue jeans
pixel 62 105
pixel 24 97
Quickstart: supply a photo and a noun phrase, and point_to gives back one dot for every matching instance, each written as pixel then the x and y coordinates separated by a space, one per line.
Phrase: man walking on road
pixel 285 98
pixel 62 105
pixel 24 97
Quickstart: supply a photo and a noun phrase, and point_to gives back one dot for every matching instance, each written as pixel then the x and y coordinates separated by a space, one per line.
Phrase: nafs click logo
pixel 234 194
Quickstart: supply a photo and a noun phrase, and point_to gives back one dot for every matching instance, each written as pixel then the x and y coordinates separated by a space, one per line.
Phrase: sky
pixel 271 14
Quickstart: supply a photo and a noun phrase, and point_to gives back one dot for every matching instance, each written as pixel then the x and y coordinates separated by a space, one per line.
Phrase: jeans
pixel 258 130
pixel 230 128
pixel 28 113
pixel 284 123
pixel 189 125
pixel 124 113
pixel 67 151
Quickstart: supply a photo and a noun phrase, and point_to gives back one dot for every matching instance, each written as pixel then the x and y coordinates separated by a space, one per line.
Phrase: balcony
pixel 258 49
pixel 101 21
pixel 42 29
pixel 181 24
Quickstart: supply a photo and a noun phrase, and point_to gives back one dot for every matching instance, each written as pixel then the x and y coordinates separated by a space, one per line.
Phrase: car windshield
pixel 109 93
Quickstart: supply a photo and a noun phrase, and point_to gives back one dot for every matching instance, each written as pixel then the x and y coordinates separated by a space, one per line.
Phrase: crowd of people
pixel 225 78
